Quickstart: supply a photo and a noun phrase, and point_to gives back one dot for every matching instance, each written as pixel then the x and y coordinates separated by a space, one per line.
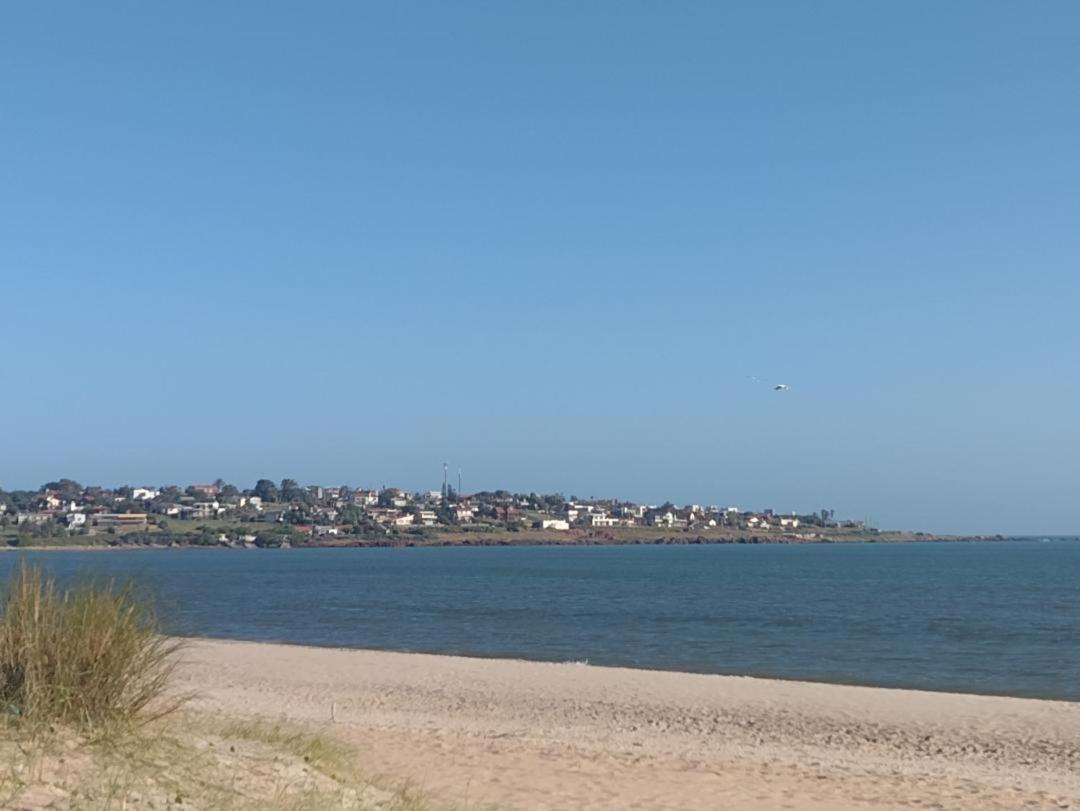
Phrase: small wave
pixel 578 662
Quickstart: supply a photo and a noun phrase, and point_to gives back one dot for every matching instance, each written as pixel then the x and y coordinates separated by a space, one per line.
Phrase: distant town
pixel 286 513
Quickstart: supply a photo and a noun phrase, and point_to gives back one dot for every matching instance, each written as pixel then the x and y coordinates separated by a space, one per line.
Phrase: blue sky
pixel 550 243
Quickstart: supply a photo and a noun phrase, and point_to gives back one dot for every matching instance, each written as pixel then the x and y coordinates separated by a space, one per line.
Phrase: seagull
pixel 776 387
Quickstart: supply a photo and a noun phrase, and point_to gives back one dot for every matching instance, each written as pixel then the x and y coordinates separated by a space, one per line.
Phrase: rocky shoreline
pixel 601 539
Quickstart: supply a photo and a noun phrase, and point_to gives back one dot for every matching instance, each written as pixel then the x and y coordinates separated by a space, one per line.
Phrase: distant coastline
pixel 526 539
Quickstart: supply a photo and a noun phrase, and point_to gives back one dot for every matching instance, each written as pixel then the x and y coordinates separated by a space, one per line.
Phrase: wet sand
pixel 524 735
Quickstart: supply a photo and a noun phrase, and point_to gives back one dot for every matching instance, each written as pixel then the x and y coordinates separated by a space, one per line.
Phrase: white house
pixel 600 519
pixel 381 515
pixel 144 494
pixel 203 509
pixel 555 523
pixel 665 519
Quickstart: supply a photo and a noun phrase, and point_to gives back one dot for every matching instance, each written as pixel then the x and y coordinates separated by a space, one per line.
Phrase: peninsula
pixel 288 514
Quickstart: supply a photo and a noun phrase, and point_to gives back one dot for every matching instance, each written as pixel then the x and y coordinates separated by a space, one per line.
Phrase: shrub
pixel 90 656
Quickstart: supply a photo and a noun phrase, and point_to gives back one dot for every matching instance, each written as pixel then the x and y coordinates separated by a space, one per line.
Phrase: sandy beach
pixel 479 733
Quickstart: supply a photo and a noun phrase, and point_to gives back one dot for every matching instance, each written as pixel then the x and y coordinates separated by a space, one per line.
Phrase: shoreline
pixel 530 542
pixel 761 677
pixel 521 734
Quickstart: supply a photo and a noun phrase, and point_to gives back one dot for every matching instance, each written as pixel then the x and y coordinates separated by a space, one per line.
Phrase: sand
pixel 477 733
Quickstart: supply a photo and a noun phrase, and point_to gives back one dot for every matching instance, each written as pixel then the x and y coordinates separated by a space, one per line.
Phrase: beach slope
pixel 476 733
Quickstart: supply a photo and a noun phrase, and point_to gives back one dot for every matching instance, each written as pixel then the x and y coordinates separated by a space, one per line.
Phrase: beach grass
pixel 191 760
pixel 90 657
pixel 89 719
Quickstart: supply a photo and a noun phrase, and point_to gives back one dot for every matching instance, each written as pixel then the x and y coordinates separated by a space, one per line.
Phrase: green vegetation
pixel 90 657
pixel 192 761
pixel 87 720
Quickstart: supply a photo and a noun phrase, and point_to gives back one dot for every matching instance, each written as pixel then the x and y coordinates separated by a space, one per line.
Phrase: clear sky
pixel 550 243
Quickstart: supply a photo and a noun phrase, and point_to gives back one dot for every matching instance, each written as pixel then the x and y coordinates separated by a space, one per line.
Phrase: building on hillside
pixel 128 521
pixel 667 518
pixel 328 515
pixel 599 519
pixel 382 515
pixel 209 490
pixel 428 518
pixel 661 518
pixel 32 518
pixel 144 494
pixel 555 523
pixel 202 510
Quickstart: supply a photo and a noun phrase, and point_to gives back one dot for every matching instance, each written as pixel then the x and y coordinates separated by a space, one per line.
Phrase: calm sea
pixel 998 618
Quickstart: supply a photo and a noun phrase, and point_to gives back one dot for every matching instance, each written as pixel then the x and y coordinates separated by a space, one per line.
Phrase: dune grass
pixel 193 760
pixel 90 657
pixel 88 720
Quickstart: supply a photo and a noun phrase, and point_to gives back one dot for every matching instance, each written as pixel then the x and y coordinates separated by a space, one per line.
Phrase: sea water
pixel 994 617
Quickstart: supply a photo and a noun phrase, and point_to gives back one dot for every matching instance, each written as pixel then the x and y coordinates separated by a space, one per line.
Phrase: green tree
pixel 66 489
pixel 169 495
pixel 266 490
pixel 291 491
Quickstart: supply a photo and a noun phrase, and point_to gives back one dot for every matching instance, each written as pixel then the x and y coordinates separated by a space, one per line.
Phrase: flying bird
pixel 775 387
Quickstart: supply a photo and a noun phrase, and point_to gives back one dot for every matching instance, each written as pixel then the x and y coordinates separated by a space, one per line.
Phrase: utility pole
pixel 445 468
pixel 459 482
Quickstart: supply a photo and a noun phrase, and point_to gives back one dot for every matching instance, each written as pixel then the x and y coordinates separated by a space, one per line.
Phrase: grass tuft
pixel 90 657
